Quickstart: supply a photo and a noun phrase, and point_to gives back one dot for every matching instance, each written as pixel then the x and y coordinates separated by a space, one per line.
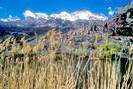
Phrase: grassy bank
pixel 53 64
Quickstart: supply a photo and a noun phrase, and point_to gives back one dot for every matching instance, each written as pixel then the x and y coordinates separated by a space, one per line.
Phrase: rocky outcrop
pixel 122 23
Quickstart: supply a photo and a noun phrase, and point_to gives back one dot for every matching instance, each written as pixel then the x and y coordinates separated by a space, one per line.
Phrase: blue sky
pixel 17 7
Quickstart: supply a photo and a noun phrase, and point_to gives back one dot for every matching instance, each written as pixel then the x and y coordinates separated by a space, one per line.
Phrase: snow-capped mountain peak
pixel 29 13
pixel 87 15
pixel 64 15
pixel 78 15
pixel 85 12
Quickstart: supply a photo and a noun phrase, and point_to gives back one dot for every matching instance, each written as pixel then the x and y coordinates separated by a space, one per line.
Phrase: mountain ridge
pixel 40 23
pixel 73 16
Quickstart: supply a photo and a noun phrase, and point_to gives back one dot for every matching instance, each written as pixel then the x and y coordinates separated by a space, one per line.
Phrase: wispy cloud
pixel 10 18
pixel 1 7
pixel 111 11
pixel 109 8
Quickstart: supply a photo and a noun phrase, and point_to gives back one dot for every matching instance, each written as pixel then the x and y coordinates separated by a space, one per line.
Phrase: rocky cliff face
pixel 122 23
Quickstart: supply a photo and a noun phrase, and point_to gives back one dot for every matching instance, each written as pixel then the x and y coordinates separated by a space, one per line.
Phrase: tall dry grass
pixel 44 66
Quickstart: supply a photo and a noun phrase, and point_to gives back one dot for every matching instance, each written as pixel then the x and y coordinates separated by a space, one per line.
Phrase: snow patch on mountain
pixel 64 15
pixel 29 13
pixel 87 15
pixel 9 19
pixel 77 15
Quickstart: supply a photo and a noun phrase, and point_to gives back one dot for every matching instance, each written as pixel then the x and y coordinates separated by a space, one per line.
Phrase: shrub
pixel 108 50
pixel 81 51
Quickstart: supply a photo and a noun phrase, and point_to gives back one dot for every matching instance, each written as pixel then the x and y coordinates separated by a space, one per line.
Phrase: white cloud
pixel 109 8
pixel 10 16
pixel 111 11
